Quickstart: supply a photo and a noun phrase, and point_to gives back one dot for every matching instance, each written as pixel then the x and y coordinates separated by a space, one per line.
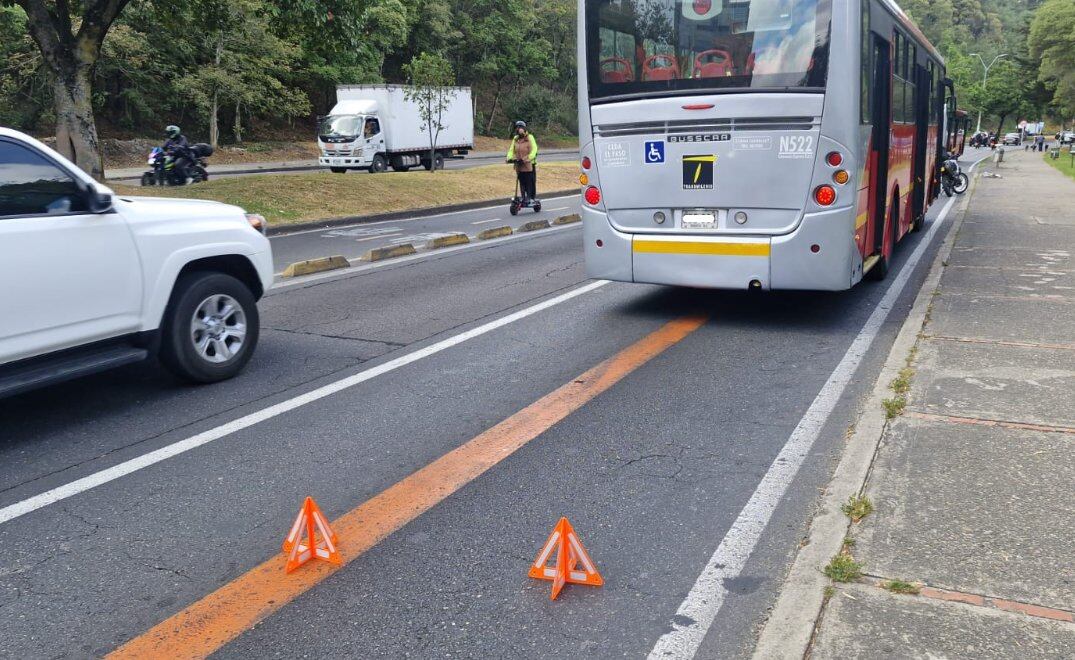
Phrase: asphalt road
pixel 652 456
pixel 132 176
pixel 355 240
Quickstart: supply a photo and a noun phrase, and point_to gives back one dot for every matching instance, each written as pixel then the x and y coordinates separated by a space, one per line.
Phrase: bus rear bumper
pixel 728 262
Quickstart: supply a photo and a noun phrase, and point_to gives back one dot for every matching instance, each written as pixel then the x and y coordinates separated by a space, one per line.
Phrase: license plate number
pixel 699 220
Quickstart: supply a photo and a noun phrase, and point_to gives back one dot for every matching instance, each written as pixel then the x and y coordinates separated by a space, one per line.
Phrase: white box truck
pixel 372 127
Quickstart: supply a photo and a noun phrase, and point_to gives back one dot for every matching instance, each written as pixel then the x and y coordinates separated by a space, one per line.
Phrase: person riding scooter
pixel 523 154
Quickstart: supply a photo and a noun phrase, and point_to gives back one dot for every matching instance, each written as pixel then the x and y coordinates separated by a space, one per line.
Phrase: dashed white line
pixel 152 458
pixel 482 222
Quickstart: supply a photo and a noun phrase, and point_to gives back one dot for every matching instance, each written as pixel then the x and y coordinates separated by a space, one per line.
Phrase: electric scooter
pixel 519 202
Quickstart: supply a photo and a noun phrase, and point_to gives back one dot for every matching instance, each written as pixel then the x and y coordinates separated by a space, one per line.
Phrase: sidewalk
pixel 116 174
pixel 973 484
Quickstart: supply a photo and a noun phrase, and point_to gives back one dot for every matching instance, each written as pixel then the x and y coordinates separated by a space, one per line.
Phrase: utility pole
pixel 985 76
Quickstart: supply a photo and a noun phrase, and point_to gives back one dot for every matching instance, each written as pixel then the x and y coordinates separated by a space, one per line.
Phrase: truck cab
pixel 352 138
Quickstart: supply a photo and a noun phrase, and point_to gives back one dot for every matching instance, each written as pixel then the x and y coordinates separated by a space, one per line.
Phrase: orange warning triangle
pixel 569 554
pixel 320 541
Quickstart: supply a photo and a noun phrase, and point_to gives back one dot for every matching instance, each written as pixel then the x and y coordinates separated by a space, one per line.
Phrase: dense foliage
pixel 237 68
pixel 1019 85
pixel 267 68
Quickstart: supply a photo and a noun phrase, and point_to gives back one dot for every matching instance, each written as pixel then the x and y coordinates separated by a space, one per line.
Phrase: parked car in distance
pixel 1011 138
pixel 1067 137
pixel 93 281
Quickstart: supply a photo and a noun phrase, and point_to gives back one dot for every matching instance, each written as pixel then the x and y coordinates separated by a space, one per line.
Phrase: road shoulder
pixel 871 465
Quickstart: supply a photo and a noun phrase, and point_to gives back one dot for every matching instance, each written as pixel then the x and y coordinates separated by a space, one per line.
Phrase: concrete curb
pixel 567 219
pixel 382 253
pixel 791 625
pixel 495 232
pixel 311 266
pixel 447 241
pixel 535 225
pixel 329 223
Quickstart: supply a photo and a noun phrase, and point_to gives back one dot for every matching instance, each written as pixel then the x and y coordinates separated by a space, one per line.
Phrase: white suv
pixel 90 281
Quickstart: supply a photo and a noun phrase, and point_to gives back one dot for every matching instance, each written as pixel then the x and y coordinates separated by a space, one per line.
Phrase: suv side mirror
pixel 97 198
pixel 98 202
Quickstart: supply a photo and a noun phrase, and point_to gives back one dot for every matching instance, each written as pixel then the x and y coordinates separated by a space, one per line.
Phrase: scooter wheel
pixel 537 207
pixel 147 180
pixel 514 208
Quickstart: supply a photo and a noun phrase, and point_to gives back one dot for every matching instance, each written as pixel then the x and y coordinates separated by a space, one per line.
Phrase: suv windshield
pixel 655 47
pixel 341 126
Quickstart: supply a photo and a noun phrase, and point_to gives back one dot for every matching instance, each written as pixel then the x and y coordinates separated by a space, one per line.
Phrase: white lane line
pixel 699 609
pixel 127 467
pixel 492 205
pixel 559 208
pixel 374 238
pixel 358 267
pixel 482 222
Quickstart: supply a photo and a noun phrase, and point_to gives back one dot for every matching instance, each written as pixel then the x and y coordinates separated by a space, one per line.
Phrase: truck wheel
pixel 338 170
pixel 378 165
pixel 438 162
pixel 210 328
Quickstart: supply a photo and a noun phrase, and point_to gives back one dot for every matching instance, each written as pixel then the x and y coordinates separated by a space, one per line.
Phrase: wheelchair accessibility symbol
pixel 654 152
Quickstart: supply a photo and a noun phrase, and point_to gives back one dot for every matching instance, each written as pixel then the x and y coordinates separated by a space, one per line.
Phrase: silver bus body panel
pixel 776 193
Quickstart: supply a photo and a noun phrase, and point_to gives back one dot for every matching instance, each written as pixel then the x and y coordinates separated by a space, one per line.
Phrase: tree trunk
pixel 214 120
pixel 76 132
pixel 492 113
pixel 1000 126
pixel 238 128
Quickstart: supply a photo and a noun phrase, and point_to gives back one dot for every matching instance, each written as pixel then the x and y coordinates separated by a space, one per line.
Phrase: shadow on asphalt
pixel 786 310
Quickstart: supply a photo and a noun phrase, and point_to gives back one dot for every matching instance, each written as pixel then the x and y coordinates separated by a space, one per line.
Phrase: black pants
pixel 528 183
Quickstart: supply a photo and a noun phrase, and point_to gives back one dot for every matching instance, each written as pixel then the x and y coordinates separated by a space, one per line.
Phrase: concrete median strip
pixel 391 252
pixel 567 219
pixel 535 225
pixel 311 266
pixel 447 241
pixel 495 232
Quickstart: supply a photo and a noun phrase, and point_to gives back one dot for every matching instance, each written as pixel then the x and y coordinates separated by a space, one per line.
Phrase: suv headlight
pixel 258 221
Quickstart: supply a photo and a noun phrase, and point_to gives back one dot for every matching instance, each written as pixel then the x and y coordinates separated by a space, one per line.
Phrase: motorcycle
pixel 953 181
pixel 166 169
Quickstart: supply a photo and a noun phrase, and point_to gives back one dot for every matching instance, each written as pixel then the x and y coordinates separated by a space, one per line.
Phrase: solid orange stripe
pixel 223 615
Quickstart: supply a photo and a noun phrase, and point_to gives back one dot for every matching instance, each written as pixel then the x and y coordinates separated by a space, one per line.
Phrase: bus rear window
pixel 667 46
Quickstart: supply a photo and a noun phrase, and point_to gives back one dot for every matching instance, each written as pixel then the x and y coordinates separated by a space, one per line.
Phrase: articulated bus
pixel 755 144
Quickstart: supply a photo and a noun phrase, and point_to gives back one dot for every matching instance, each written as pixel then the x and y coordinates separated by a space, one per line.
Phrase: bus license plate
pixel 699 220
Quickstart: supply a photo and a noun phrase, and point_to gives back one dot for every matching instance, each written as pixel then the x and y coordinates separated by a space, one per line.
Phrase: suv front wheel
pixel 210 328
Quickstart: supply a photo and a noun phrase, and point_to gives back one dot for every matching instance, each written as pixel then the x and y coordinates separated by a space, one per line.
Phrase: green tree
pixel 69 36
pixel 1052 40
pixel 244 66
pixel 430 76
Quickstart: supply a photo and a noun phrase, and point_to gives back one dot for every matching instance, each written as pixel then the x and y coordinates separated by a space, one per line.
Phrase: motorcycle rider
pixel 523 154
pixel 178 147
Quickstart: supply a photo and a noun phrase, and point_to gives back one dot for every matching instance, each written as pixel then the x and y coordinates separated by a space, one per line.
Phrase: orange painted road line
pixel 210 623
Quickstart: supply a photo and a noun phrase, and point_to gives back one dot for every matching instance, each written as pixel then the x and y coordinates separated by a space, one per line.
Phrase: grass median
pixel 292 198
pixel 1065 163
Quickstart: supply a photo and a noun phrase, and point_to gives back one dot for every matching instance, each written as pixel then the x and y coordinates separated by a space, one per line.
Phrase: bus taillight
pixel 823 195
pixel 593 196
pixel 834 158
pixel 586 162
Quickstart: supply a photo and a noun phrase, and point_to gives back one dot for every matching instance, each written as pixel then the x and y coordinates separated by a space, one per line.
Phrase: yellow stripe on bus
pixel 698 247
pixel 860 220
